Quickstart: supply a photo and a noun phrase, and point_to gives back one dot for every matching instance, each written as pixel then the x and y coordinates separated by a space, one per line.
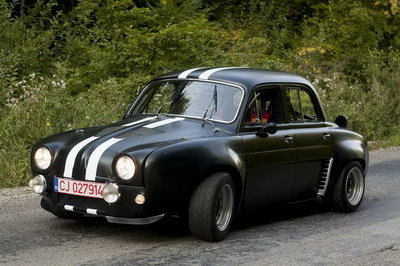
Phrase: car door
pixel 313 141
pixel 270 160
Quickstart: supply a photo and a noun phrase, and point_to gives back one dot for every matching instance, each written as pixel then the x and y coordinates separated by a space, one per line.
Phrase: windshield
pixel 199 99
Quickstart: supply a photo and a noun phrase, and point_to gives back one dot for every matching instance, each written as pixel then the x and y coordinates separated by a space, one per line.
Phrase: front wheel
pixel 211 207
pixel 349 188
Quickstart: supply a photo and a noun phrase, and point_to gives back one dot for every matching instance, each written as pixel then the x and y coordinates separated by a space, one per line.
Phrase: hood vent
pixel 324 176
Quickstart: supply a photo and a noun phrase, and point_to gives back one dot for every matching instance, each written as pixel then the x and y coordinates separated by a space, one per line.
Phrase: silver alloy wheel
pixel 354 186
pixel 224 207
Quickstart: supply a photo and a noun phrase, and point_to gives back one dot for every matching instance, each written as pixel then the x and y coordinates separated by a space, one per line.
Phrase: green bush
pixel 63 68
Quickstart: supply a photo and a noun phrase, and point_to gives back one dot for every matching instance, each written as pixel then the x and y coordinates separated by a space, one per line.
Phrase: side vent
pixel 324 177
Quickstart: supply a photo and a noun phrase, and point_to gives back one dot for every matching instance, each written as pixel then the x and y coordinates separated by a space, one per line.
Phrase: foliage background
pixel 77 63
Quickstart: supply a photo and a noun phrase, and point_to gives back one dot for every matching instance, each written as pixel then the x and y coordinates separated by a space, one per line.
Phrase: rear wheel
pixel 212 207
pixel 349 188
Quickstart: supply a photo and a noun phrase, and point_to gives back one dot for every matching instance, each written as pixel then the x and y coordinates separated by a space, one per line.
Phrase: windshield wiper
pixel 158 112
pixel 208 121
pixel 215 100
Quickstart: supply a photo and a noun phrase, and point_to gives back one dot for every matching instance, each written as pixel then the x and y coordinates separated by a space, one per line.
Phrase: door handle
pixel 326 136
pixel 288 139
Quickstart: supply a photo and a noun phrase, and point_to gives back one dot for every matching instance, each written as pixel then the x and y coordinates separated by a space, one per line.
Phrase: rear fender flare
pixel 346 151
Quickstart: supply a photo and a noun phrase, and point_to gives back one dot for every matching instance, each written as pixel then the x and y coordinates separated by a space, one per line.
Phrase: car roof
pixel 248 78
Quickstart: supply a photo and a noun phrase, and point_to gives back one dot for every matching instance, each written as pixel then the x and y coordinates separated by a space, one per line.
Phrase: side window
pixel 300 106
pixel 294 105
pixel 307 106
pixel 263 108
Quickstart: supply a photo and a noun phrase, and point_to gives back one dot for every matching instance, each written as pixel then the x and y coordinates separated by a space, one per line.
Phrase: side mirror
pixel 268 129
pixel 341 121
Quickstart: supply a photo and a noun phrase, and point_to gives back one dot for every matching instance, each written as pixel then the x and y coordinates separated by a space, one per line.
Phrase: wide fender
pixel 347 146
pixel 173 172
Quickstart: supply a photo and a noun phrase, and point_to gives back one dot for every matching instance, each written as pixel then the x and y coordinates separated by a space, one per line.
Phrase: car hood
pixel 89 153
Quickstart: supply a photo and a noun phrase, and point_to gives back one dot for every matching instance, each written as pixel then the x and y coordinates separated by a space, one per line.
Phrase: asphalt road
pixel 300 234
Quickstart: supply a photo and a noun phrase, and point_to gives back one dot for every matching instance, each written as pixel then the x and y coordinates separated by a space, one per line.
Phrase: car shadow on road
pixel 248 219
pixel 175 228
pixel 279 212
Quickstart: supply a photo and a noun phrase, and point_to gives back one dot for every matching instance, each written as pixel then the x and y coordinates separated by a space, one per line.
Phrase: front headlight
pixel 125 167
pixel 42 158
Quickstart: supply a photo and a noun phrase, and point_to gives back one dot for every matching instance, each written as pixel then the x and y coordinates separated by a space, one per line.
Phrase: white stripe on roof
pixel 186 73
pixel 208 73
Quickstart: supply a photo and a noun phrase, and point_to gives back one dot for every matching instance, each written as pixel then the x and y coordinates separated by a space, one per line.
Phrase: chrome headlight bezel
pixel 111 193
pixel 38 184
pixel 43 158
pixel 125 167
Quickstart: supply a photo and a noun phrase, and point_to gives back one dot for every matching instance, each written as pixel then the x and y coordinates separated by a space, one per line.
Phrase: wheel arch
pixel 236 178
pixel 360 161
pixel 173 172
pixel 337 168
pixel 348 147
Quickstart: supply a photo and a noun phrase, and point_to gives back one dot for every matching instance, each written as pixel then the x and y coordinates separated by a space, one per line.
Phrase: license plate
pixel 79 188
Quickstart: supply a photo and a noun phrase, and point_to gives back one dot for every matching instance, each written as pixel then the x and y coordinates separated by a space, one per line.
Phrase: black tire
pixel 206 205
pixel 343 198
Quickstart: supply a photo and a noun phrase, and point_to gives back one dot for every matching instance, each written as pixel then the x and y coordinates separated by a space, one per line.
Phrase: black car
pixel 204 143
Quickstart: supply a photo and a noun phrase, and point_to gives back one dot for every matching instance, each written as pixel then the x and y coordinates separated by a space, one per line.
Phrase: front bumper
pixel 125 210
pixel 137 221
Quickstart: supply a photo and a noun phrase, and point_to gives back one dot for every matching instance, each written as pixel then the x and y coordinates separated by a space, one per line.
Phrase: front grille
pixel 82 202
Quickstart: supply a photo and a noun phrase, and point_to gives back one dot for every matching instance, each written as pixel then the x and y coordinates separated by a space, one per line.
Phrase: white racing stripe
pixel 91 168
pixel 164 122
pixel 139 121
pixel 186 73
pixel 91 211
pixel 208 73
pixel 69 208
pixel 70 162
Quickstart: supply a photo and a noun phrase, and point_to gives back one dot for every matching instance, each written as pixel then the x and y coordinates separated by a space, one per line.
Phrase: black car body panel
pixel 174 153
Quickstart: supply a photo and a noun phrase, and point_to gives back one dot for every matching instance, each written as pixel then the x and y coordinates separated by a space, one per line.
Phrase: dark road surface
pixel 298 234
